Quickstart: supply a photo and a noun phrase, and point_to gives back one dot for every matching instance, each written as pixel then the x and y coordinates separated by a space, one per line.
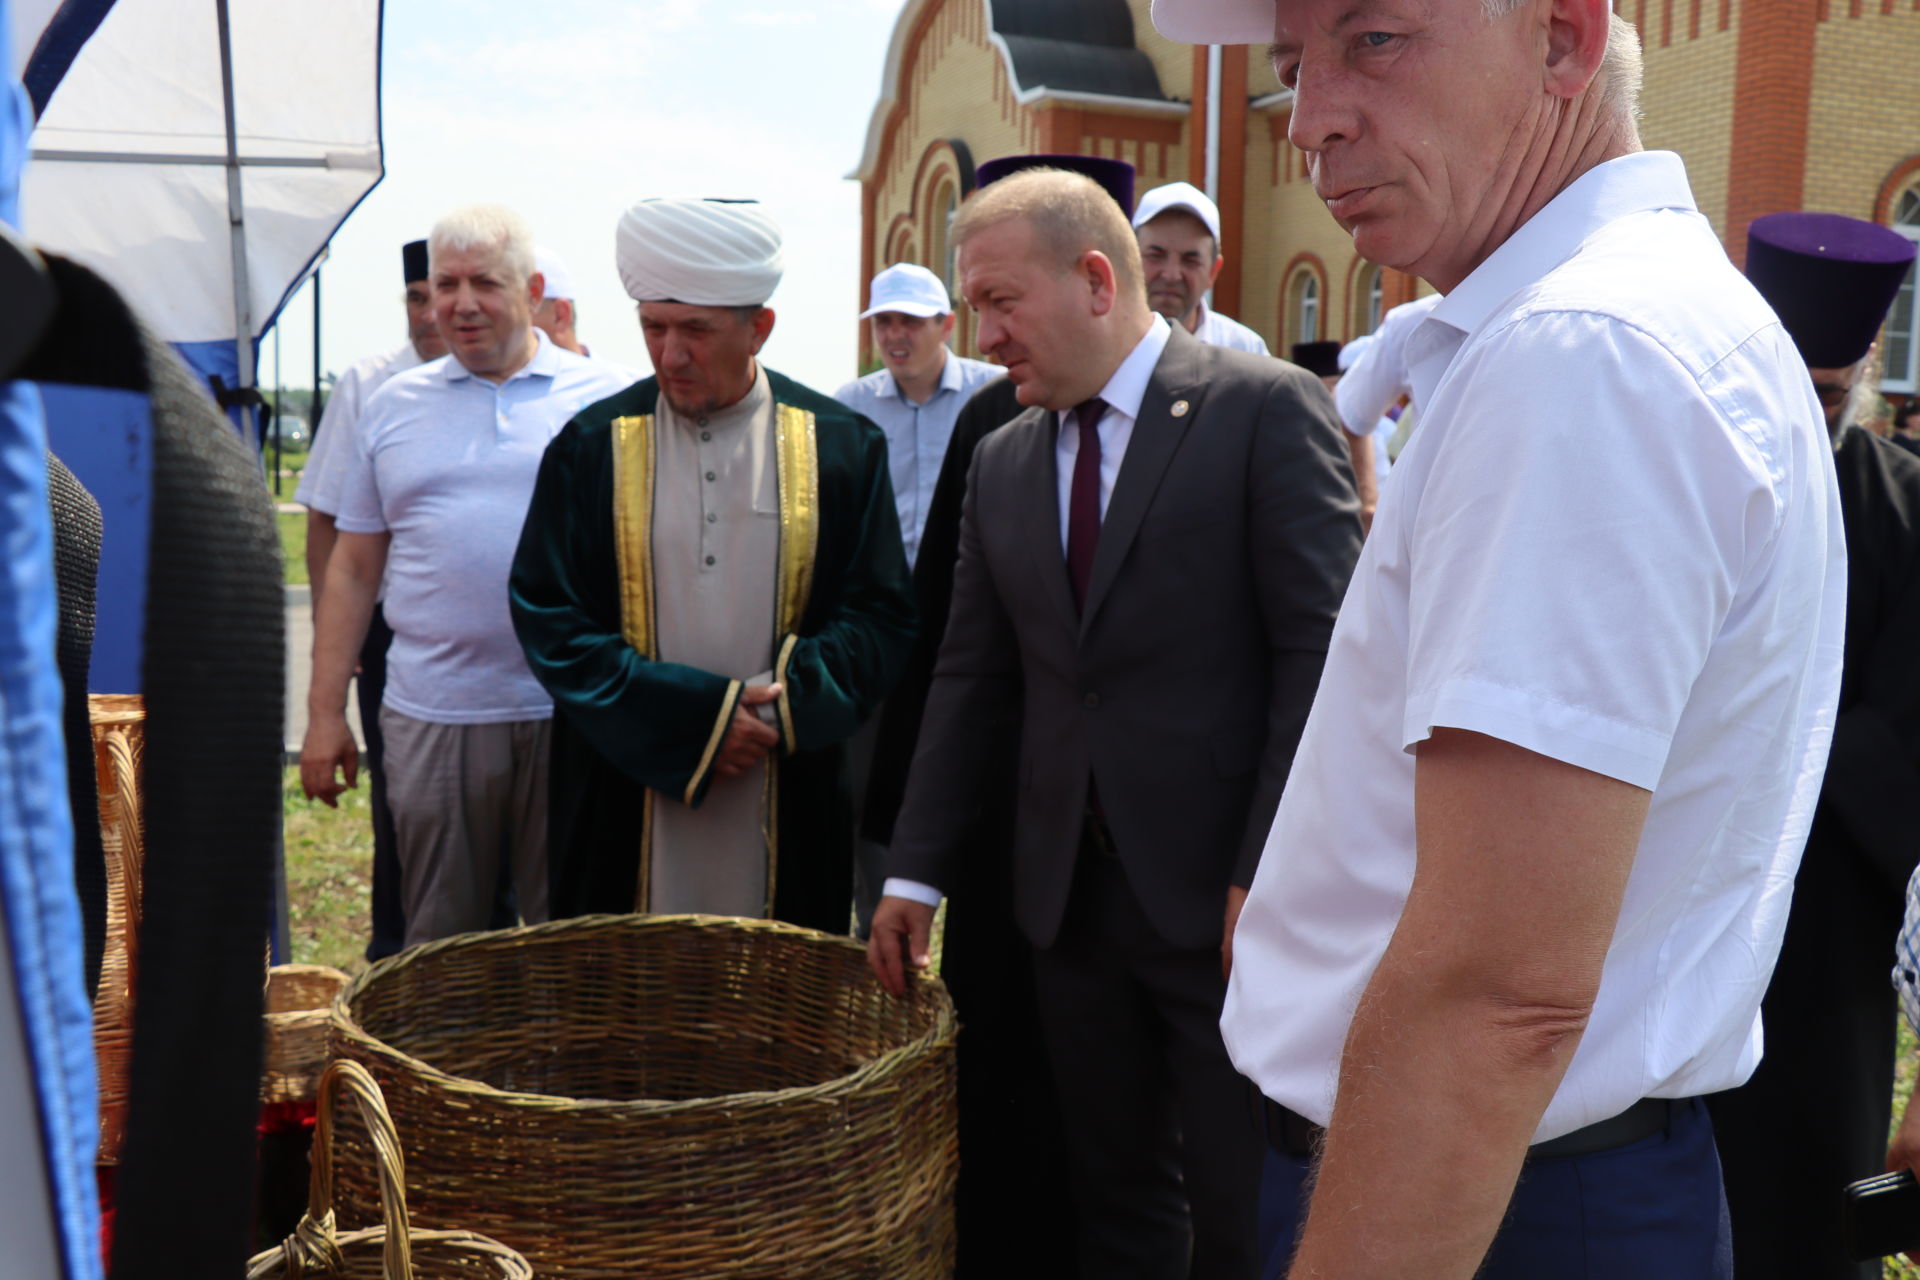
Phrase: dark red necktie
pixel 1083 502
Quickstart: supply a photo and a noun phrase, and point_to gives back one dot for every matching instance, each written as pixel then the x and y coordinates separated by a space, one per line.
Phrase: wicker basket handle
pixel 313 1240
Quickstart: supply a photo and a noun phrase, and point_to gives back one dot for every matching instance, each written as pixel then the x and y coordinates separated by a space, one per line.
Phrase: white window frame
pixel 1376 298
pixel 1306 307
pixel 1906 304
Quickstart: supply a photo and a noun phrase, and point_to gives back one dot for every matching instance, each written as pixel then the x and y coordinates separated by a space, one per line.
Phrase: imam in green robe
pixel 667 563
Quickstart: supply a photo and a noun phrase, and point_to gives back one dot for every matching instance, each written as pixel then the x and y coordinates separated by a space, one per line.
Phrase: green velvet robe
pixel 631 732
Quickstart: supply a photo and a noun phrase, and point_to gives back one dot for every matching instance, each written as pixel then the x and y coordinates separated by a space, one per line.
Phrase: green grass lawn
pixel 293 544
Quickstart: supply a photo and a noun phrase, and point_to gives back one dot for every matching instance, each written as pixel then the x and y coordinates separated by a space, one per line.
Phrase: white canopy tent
pixel 199 154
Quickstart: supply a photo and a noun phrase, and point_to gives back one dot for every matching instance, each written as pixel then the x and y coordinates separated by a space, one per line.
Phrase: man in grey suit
pixel 1151 558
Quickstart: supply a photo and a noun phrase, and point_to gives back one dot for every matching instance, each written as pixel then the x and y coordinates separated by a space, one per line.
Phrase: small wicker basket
pixel 119 748
pixel 394 1250
pixel 299 997
pixel 666 1096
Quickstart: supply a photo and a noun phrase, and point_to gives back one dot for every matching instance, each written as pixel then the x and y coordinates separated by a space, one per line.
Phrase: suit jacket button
pixel 1092 700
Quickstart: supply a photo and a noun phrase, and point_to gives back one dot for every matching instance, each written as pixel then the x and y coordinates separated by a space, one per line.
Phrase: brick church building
pixel 1775 104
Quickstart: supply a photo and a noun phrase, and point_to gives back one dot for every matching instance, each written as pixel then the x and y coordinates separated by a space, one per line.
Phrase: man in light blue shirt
pixel 434 496
pixel 921 389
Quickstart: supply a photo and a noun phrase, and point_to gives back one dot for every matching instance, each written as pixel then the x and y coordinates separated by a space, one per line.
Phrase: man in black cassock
pixel 1815 1114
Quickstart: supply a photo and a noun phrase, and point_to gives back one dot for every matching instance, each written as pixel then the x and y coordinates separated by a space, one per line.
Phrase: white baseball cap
pixel 559 279
pixel 911 290
pixel 1179 195
pixel 1215 21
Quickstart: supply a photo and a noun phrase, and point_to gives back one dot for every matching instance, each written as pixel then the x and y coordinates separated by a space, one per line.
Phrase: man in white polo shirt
pixel 1178 228
pixel 434 497
pixel 1531 869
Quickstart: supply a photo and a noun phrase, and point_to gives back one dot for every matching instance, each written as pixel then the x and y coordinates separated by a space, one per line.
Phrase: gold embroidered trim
pixel 633 479
pixel 780 678
pixel 714 739
pixel 799 474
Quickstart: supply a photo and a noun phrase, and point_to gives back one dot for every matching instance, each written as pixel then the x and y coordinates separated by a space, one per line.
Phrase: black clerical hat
pixel 1829 278
pixel 1319 358
pixel 413 260
pixel 1116 176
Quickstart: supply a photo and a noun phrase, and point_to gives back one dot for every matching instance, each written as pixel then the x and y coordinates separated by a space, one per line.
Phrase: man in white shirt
pixel 1530 873
pixel 320 482
pixel 1374 377
pixel 920 389
pixel 442 470
pixel 1178 227
pixel 914 399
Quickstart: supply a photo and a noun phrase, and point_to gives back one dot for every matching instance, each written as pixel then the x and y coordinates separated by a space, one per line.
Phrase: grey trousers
pixel 465 796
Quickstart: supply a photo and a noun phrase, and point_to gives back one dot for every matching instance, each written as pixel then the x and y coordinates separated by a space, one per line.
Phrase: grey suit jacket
pixel 1183 686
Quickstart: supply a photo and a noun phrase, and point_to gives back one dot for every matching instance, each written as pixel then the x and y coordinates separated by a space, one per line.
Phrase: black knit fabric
pixel 215 653
pixel 76 571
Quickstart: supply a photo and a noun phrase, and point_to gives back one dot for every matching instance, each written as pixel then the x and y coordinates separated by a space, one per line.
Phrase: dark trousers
pixel 389 918
pixel 1650 1210
pixel 1163 1151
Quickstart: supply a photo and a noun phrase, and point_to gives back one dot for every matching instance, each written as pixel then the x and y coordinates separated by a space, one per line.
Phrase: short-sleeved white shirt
pixel 445 462
pixel 326 467
pixel 1615 540
pixel 1217 330
pixel 1379 377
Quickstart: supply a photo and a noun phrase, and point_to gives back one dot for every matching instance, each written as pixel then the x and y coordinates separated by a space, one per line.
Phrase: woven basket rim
pixel 943 1029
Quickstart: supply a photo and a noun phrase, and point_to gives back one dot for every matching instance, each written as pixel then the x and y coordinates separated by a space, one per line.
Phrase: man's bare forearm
pixel 321 535
pixel 340 627
pixel 1366 480
pixel 1439 1096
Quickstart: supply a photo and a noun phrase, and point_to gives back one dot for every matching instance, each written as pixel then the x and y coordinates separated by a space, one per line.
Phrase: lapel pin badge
pixel 1179 409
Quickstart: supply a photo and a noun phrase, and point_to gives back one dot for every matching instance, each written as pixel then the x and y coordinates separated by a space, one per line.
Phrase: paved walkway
pixel 300 668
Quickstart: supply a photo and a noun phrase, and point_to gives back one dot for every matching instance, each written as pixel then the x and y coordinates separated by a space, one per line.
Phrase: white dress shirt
pixel 1217 330
pixel 917 434
pixel 1124 391
pixel 1615 540
pixel 1379 377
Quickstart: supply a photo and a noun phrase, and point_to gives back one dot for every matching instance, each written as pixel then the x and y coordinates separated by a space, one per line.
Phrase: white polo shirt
pixel 1379 377
pixel 1615 540
pixel 326 467
pixel 445 462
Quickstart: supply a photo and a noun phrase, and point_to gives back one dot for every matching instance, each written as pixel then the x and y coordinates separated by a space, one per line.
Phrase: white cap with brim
pixel 1179 195
pixel 908 289
pixel 559 280
pixel 1215 21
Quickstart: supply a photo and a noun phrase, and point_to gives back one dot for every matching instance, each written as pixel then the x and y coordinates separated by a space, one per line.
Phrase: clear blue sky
pixel 570 110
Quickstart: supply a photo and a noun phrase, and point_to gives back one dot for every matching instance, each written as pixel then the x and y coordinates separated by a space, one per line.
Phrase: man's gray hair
pixel 486 226
pixel 1617 83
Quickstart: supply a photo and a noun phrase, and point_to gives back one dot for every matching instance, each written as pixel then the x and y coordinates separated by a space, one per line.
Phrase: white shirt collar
pixel 1128 385
pixel 1627 184
pixel 545 362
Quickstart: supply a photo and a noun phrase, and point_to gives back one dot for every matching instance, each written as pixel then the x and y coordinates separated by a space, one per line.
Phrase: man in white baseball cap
pixel 1584 679
pixel 920 388
pixel 913 398
pixel 1179 232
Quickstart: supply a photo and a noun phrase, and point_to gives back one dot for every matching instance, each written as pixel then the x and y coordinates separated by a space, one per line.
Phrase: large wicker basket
pixel 665 1096
pixel 118 721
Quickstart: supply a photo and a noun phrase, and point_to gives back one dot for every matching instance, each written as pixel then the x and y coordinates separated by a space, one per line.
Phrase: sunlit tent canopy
pixel 199 155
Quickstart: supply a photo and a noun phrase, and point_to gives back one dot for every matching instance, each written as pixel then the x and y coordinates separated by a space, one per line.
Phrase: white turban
pixel 711 253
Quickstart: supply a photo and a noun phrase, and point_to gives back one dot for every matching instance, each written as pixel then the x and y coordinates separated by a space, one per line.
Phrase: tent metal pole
pixel 315 405
pixel 237 224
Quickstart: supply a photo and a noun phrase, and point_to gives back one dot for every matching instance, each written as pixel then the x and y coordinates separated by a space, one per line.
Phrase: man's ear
pixel 946 326
pixel 762 328
pixel 1097 270
pixel 1213 272
pixel 1577 33
pixel 536 288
